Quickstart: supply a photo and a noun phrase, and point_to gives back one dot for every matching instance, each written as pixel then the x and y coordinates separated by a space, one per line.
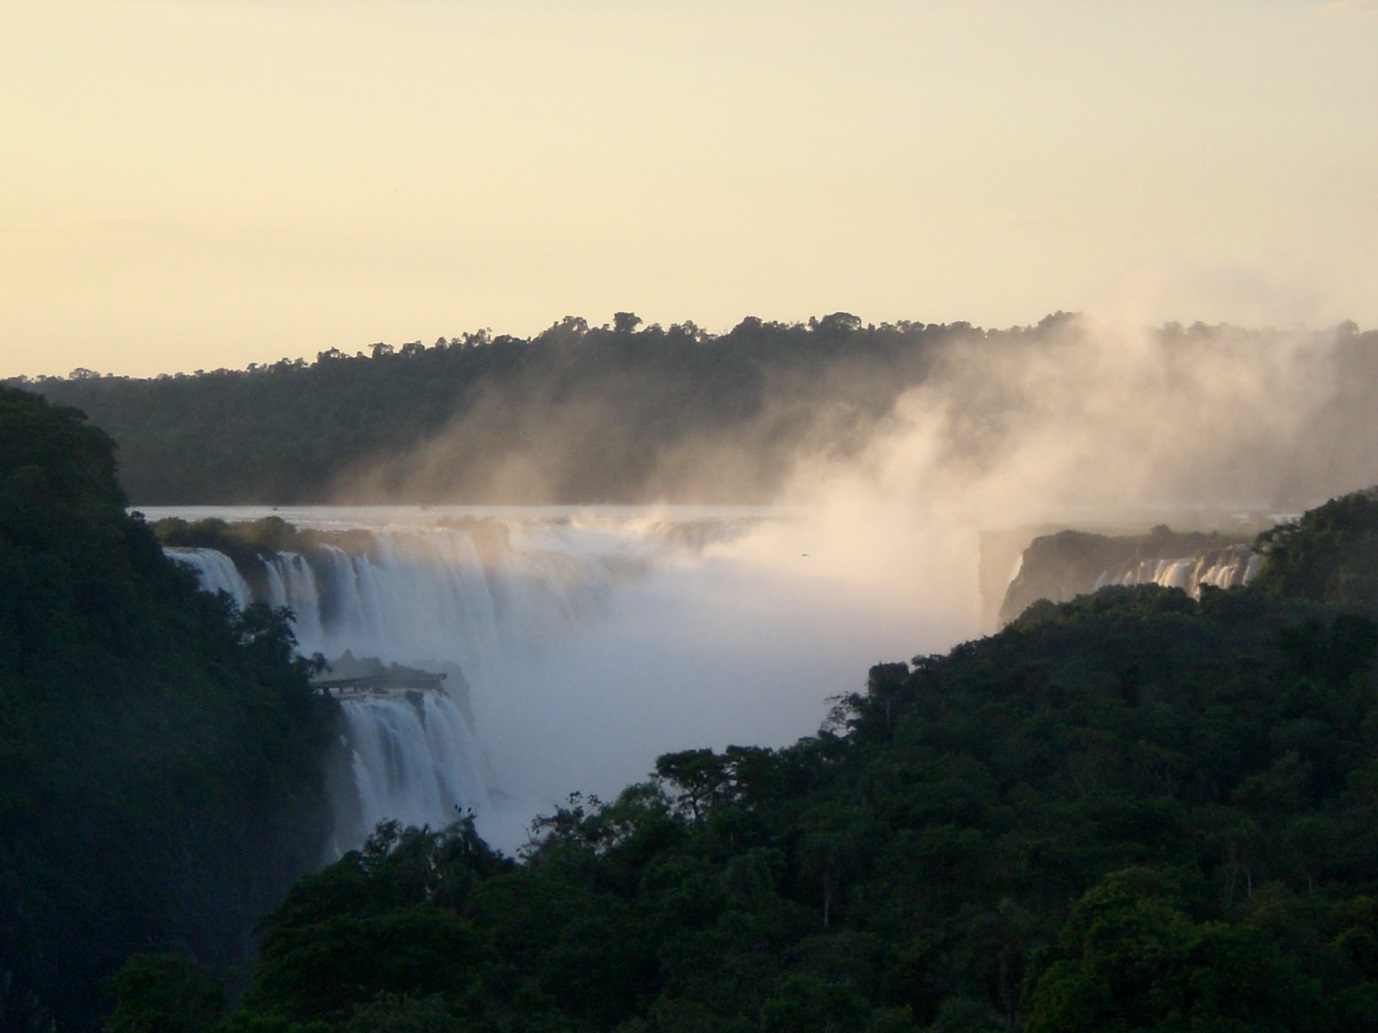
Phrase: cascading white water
pixel 1218 568
pixel 216 571
pixel 413 760
pixel 482 601
pixel 580 645
pixel 426 594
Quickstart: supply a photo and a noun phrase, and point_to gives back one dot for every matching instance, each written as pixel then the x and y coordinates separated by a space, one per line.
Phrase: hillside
pixel 1328 555
pixel 160 757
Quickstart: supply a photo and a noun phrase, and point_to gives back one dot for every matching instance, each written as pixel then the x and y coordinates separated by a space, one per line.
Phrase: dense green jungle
pixel 1133 811
pixel 160 755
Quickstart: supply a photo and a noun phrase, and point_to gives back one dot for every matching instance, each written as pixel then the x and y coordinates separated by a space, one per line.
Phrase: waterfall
pixel 413 759
pixel 216 571
pixel 580 644
pixel 1229 567
pixel 462 600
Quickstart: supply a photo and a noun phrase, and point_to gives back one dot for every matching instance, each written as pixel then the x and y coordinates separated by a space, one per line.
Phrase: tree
pixel 809 1004
pixel 1134 959
pixel 1329 554
pixel 160 756
pixel 701 776
pixel 163 993
pixel 402 1013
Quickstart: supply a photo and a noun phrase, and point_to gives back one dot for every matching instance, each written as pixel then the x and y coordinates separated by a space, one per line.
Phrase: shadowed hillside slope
pixel 160 757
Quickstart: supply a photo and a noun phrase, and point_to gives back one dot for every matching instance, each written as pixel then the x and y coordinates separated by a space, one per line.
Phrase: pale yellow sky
pixel 195 184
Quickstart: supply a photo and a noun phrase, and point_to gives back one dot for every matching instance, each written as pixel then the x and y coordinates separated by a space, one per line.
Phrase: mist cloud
pixel 1081 415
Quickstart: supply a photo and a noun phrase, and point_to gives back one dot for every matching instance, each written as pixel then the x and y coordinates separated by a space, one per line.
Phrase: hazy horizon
pixel 204 184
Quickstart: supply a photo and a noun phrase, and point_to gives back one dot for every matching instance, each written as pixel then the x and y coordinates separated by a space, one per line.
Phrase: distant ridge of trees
pixel 618 412
pixel 592 413
pixel 630 413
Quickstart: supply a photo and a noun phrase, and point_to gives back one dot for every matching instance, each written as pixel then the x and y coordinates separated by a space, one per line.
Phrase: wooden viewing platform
pixel 388 681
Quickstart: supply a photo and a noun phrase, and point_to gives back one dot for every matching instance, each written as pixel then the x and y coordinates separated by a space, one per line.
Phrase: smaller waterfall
pixel 412 758
pixel 1220 568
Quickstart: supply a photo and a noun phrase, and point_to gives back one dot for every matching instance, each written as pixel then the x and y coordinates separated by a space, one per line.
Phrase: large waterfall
pixel 464 592
pixel 577 644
